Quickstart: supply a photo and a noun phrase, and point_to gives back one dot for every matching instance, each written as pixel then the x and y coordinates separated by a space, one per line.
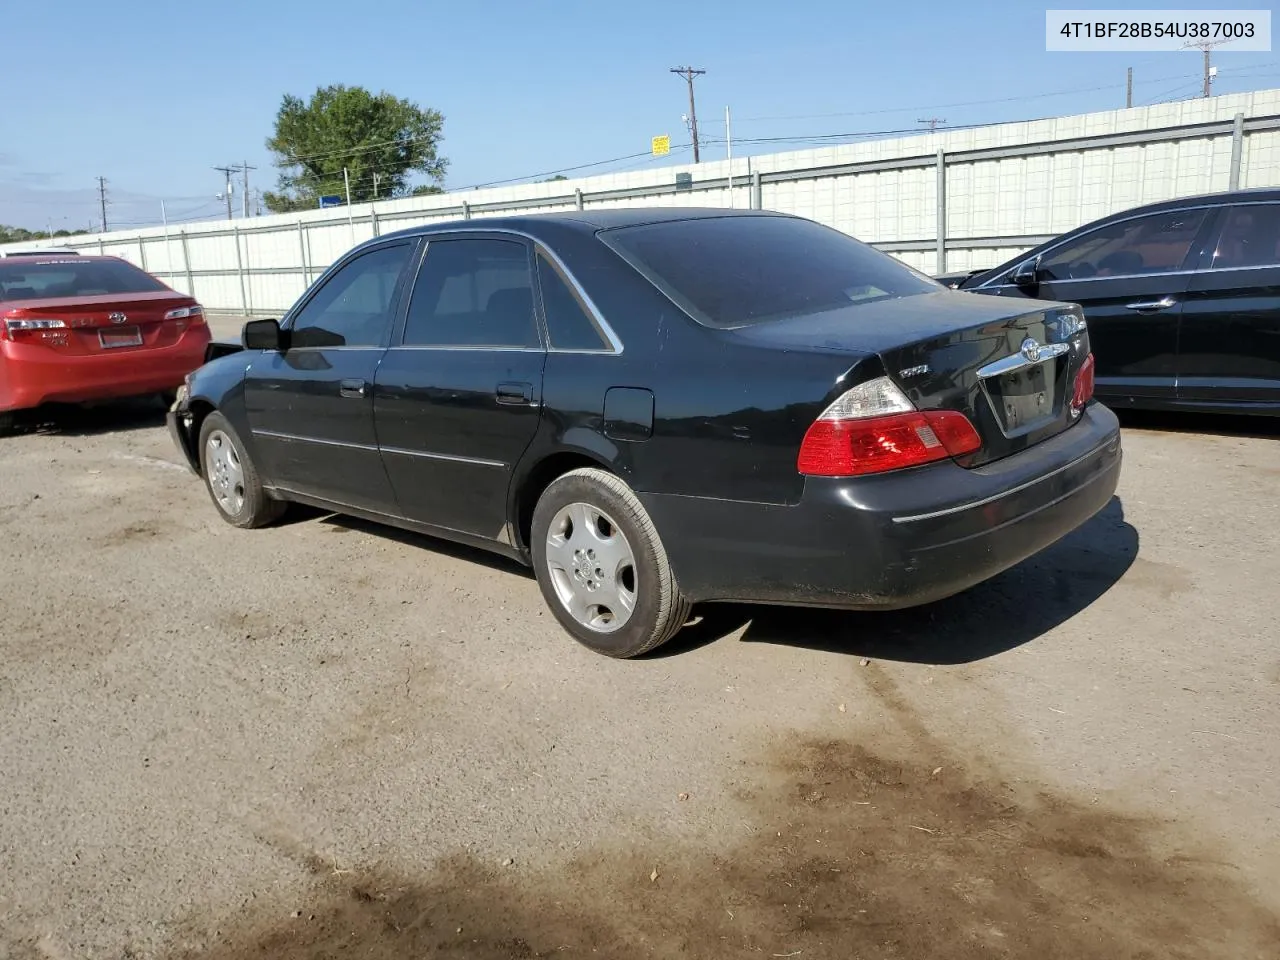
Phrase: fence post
pixel 186 265
pixel 941 266
pixel 757 191
pixel 302 256
pixel 466 210
pixel 142 253
pixel 577 197
pixel 373 218
pixel 244 299
pixel 1237 150
pixel 102 248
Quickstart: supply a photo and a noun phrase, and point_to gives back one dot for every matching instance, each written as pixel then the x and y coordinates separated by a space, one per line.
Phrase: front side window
pixel 1250 237
pixel 473 293
pixel 1158 243
pixel 739 270
pixel 353 308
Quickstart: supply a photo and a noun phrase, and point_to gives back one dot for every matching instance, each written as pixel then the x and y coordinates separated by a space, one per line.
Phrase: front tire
pixel 601 566
pixel 231 478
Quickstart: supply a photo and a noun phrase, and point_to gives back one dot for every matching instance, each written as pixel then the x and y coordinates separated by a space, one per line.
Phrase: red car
pixel 75 329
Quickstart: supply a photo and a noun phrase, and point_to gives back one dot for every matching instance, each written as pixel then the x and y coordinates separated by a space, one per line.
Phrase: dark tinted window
pixel 1153 244
pixel 568 320
pixel 1250 237
pixel 353 308
pixel 729 271
pixel 21 280
pixel 475 293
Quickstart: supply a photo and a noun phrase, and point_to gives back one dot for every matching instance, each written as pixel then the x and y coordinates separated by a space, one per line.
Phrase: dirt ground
pixel 326 739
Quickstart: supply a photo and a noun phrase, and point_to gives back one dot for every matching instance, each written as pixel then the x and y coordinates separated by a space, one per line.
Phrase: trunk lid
pixel 105 323
pixel 964 352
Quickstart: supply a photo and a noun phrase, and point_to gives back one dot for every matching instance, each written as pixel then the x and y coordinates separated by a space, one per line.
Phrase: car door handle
pixel 515 393
pixel 1163 303
pixel 351 388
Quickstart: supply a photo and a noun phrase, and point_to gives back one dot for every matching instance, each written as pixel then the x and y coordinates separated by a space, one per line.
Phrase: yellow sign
pixel 661 145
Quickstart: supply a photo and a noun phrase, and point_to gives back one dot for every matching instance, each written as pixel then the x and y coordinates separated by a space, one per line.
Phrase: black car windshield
pixel 738 270
pixel 73 278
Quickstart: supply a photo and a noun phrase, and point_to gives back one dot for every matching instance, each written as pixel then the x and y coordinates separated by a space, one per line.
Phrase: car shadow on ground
pixel 340 523
pixel 1213 424
pixel 1012 609
pixel 71 420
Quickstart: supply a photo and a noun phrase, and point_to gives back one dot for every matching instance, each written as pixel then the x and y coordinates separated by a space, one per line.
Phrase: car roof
pixel 588 221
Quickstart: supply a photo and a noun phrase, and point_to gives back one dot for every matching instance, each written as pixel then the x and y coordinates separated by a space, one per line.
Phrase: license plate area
pixel 120 337
pixel 1027 398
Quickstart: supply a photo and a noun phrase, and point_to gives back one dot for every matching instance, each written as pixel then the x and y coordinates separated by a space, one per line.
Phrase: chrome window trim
pixel 615 343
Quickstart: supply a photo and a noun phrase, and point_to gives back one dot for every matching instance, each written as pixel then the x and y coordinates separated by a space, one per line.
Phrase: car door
pixel 1130 277
pixel 310 405
pixel 458 396
pixel 1229 350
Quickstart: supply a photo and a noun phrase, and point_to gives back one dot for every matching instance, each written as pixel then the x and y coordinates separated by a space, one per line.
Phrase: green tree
pixel 366 133
pixel 558 176
pixel 21 235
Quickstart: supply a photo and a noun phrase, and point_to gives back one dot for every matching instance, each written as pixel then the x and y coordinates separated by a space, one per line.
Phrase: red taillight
pixel 1083 391
pixel 849 439
pixel 15 326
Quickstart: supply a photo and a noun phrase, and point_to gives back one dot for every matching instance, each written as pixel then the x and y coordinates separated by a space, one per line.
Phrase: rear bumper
pixel 179 422
pixel 897 540
pixel 33 375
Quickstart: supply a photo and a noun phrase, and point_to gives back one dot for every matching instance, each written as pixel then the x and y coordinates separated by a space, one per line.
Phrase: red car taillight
pixel 193 315
pixel 1083 390
pixel 15 327
pixel 874 428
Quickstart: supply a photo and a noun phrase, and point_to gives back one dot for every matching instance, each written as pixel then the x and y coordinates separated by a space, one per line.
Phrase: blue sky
pixel 153 95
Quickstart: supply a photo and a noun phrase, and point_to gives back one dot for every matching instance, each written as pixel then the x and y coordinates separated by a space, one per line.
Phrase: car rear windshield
pixel 73 278
pixel 739 270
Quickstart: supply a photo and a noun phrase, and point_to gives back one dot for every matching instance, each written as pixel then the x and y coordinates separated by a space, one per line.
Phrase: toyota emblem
pixel 1031 349
pixel 121 318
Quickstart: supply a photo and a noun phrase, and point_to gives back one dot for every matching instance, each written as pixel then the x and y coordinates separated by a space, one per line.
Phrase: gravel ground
pixel 328 738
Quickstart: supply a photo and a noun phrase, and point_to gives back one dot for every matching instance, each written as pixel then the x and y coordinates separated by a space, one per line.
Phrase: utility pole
pixel 245 168
pixel 1128 90
pixel 1209 70
pixel 933 122
pixel 102 200
pixel 689 73
pixel 375 186
pixel 226 172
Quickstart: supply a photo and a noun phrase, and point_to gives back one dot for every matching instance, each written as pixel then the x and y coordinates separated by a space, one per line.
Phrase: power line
pixel 689 73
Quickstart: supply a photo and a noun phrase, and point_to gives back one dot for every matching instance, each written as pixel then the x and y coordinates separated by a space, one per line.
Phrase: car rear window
pixel 740 270
pixel 73 278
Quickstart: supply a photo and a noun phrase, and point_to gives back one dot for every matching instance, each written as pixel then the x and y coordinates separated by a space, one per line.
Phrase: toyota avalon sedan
pixel 75 329
pixel 655 408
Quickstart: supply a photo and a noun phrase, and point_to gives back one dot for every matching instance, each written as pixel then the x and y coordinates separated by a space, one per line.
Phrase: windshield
pixel 734 271
pixel 73 278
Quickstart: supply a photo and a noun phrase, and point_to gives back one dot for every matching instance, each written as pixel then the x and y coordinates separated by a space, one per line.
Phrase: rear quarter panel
pixel 728 416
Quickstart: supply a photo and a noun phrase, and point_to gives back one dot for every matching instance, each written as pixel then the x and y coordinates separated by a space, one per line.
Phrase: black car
pixel 659 407
pixel 1182 299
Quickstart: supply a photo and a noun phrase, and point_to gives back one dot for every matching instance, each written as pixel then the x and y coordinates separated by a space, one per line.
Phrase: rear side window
pixel 473 293
pixel 73 278
pixel 733 271
pixel 1250 237
pixel 568 320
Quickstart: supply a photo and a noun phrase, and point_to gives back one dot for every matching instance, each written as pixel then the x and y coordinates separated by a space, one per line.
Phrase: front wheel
pixel 601 566
pixel 231 478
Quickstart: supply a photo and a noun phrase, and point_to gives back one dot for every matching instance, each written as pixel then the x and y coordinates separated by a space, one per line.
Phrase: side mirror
pixel 1027 273
pixel 263 335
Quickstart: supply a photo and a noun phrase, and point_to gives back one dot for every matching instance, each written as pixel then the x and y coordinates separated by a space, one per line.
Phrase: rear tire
pixel 8 420
pixel 231 477
pixel 601 566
